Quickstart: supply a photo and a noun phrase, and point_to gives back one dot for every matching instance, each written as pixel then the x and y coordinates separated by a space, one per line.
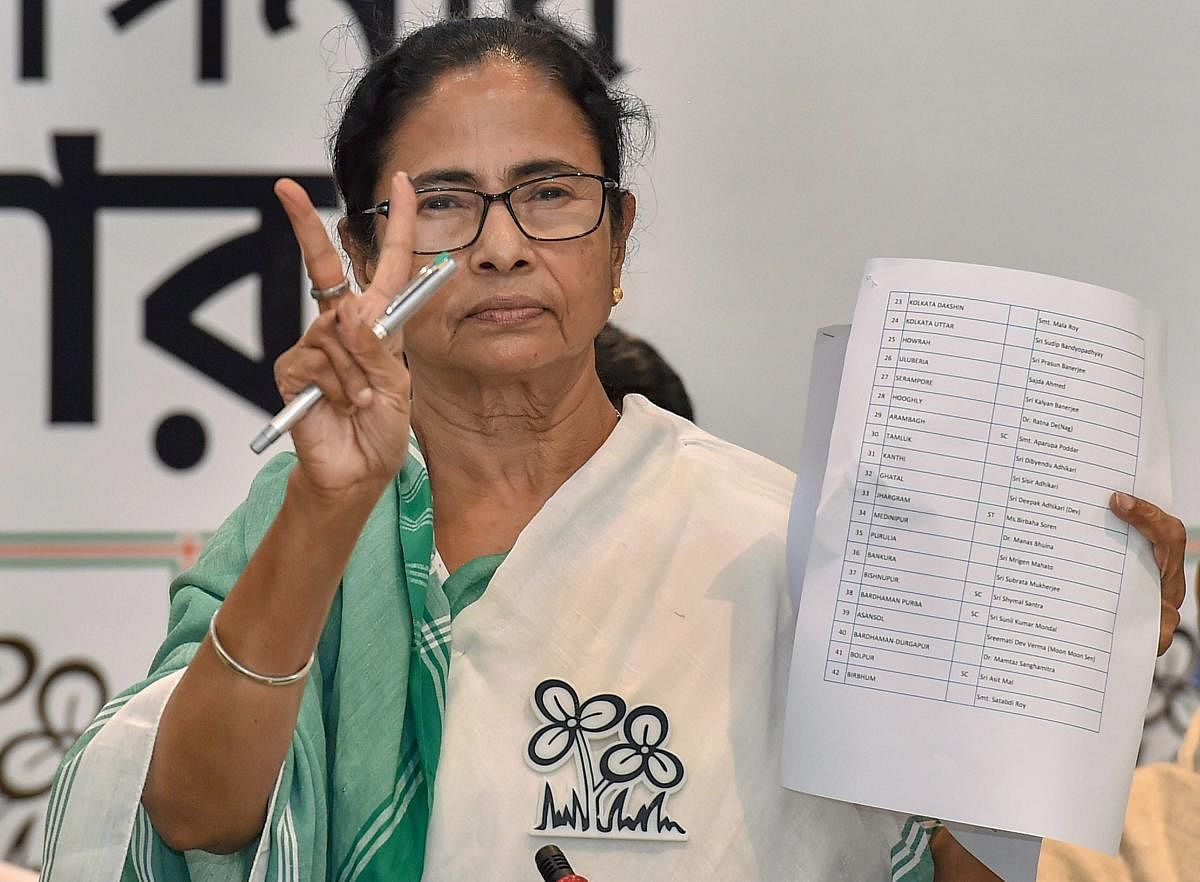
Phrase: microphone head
pixel 552 863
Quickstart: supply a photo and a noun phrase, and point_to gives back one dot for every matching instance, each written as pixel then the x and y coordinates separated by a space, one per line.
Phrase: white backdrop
pixel 795 140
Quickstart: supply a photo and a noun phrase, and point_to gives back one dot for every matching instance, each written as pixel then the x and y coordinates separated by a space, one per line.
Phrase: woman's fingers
pixel 396 247
pixel 379 360
pixel 321 359
pixel 309 365
pixel 321 260
pixel 348 363
pixel 340 353
pixel 1166 533
pixel 355 385
pixel 1197 622
pixel 1168 537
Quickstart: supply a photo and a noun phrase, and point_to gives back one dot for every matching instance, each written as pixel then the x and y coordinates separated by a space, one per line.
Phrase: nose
pixel 501 246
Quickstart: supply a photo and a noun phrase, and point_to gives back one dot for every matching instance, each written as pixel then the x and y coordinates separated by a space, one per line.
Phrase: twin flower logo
pixel 624 772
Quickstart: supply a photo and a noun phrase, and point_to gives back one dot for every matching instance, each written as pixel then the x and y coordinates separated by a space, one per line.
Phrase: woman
pixel 607 594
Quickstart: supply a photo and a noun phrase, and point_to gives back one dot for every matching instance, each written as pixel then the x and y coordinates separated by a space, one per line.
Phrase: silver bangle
pixel 233 665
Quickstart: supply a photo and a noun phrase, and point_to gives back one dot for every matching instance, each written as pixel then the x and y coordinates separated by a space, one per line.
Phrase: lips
pixel 507 310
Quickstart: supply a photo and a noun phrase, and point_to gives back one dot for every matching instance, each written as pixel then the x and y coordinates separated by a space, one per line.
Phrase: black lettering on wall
pixel 270 252
pixel 68 211
pixel 377 21
pixel 604 23
pixel 375 18
pixel 33 39
pixel 604 26
pixel 211 28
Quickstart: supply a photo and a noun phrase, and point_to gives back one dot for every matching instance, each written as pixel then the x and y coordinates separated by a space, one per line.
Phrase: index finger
pixel 321 260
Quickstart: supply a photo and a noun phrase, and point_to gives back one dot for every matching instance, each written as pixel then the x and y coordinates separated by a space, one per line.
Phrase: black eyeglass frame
pixel 506 197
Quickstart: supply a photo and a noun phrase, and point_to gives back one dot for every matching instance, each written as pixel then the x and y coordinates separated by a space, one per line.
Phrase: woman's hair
pixel 402 76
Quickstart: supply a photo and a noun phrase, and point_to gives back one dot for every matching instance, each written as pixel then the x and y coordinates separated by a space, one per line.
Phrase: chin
pixel 513 356
pixel 512 353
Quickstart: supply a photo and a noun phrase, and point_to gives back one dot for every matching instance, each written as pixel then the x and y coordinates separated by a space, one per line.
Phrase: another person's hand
pixel 953 863
pixel 1168 536
pixel 356 437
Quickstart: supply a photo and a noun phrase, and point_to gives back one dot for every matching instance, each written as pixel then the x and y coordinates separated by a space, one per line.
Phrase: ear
pixel 362 265
pixel 621 236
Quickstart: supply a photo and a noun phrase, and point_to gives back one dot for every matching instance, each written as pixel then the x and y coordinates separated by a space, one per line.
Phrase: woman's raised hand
pixel 356 437
pixel 1168 536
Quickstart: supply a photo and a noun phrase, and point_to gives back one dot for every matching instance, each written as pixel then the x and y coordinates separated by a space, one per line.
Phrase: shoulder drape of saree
pixel 96 828
pixel 656 574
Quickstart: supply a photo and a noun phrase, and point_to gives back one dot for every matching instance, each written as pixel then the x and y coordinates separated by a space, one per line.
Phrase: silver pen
pixel 423 286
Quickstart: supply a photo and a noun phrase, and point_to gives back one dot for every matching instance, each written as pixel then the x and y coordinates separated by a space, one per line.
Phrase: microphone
pixel 554 866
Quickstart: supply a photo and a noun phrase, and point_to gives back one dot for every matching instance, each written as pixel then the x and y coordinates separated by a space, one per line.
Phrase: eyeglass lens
pixel 552 208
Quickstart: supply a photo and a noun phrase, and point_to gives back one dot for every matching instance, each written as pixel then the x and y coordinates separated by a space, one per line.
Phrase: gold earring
pixel 617 295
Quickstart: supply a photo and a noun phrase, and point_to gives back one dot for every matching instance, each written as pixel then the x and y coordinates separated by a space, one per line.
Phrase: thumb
pixel 1165 532
pixel 1132 510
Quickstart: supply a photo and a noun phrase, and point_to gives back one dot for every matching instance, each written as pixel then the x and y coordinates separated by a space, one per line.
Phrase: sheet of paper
pixel 1011 856
pixel 976 633
pixel 829 352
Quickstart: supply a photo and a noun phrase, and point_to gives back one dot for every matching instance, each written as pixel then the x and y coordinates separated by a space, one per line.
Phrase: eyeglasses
pixel 549 209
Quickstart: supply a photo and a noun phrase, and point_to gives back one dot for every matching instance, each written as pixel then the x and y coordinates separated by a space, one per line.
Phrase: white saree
pixel 619 686
pixel 617 689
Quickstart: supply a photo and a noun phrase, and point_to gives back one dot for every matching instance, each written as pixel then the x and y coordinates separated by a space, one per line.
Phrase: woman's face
pixel 516 306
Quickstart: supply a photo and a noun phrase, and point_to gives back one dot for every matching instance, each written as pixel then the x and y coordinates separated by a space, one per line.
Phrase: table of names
pixel 982 565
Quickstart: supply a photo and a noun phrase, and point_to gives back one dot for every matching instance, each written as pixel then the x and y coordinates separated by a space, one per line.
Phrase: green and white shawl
pixel 588 592
pixel 353 799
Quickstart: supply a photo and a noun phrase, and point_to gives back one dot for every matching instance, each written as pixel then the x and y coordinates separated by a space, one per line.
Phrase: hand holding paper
pixel 974 637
